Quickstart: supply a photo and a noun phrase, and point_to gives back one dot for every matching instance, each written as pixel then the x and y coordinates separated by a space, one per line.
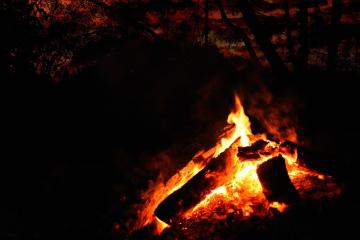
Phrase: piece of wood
pixel 288 148
pixel 275 181
pixel 253 152
pixel 193 191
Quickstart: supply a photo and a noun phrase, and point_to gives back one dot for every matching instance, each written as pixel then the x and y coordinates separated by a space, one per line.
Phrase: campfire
pixel 245 175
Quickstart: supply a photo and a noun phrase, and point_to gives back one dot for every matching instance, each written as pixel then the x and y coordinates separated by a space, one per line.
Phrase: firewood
pixel 275 181
pixel 253 152
pixel 288 148
pixel 193 191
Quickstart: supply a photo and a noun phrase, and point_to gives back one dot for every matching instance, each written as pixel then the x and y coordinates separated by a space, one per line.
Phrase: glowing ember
pixel 160 226
pixel 240 191
pixel 279 206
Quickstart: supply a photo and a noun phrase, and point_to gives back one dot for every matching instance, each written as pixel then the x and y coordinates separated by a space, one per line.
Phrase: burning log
pixel 288 148
pixel 193 191
pixel 254 151
pixel 275 181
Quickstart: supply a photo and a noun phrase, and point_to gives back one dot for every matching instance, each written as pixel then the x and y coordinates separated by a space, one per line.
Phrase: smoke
pixel 278 115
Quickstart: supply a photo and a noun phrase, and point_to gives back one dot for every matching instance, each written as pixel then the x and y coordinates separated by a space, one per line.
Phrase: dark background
pixel 73 149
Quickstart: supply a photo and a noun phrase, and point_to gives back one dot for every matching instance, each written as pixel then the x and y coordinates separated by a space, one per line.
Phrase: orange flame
pixel 281 207
pixel 160 226
pixel 242 191
pixel 241 130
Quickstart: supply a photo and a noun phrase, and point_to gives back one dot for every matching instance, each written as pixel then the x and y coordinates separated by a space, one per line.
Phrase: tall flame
pixel 241 129
pixel 241 190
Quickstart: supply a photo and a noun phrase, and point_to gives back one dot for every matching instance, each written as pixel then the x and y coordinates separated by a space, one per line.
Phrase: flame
pixel 243 183
pixel 158 191
pixel 240 190
pixel 281 207
pixel 160 226
pixel 242 129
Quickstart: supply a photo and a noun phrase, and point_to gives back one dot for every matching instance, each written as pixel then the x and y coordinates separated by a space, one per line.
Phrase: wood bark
pixel 189 195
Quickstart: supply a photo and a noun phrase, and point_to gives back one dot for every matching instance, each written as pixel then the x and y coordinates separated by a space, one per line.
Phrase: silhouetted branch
pixel 303 51
pixel 333 37
pixel 262 38
pixel 288 32
pixel 237 31
pixel 121 11
pixel 206 30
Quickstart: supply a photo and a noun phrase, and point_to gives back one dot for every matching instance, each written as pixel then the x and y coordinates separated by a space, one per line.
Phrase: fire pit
pixel 245 176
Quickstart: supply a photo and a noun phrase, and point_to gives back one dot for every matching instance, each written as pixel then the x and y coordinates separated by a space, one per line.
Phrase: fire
pixel 281 207
pixel 160 226
pixel 239 190
pixel 241 130
pixel 159 191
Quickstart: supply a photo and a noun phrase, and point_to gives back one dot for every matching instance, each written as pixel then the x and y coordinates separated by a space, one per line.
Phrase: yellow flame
pixel 281 207
pixel 160 226
pixel 159 191
pixel 239 188
pixel 242 128
pixel 218 191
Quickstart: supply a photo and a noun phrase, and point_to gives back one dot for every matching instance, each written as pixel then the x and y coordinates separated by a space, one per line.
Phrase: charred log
pixel 254 151
pixel 275 181
pixel 288 148
pixel 193 191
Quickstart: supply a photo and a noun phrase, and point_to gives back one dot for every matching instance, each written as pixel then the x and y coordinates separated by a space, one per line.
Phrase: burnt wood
pixel 253 152
pixel 288 148
pixel 193 191
pixel 275 181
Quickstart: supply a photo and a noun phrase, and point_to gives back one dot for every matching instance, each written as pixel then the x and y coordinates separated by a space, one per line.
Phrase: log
pixel 288 148
pixel 189 195
pixel 253 152
pixel 275 181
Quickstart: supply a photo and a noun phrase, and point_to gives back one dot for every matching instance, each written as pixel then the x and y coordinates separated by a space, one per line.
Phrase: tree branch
pixel 122 12
pixel 262 38
pixel 237 31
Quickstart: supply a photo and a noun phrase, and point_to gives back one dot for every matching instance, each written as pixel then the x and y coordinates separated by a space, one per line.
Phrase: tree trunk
pixel 333 41
pixel 206 30
pixel 290 47
pixel 237 31
pixel 304 51
pixel 262 38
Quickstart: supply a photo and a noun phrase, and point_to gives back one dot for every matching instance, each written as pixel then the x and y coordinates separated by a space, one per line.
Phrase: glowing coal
pixel 245 174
